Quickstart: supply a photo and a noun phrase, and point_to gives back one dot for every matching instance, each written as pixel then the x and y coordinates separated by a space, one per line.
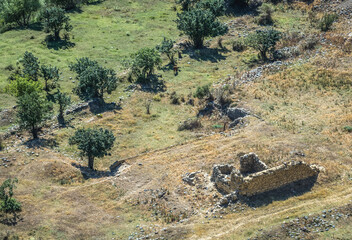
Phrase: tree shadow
pixel 59 44
pixel 240 10
pixel 41 143
pixel 206 54
pixel 76 9
pixel 280 194
pixel 153 84
pixel 64 123
pixel 36 26
pixel 98 106
pixel 10 221
pixel 89 173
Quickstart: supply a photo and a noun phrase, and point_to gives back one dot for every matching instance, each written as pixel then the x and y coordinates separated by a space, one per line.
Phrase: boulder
pixel 236 113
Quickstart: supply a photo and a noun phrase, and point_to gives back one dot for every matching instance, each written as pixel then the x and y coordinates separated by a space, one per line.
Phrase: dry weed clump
pixel 190 124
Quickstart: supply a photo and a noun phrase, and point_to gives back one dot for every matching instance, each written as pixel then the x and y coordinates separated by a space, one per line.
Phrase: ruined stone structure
pixel 255 178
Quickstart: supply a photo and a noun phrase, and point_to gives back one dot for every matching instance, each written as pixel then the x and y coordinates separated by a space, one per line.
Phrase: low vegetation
pixel 149 95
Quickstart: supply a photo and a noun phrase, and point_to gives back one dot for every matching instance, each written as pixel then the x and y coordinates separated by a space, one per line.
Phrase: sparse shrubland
pixel 166 92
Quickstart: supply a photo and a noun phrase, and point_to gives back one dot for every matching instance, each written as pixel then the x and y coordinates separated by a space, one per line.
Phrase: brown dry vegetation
pixel 302 107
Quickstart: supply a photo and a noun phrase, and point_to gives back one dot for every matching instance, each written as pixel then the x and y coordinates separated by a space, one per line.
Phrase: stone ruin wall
pixel 276 177
pixel 228 179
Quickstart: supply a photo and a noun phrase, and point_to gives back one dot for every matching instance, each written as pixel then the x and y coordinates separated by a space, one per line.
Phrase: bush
pixel 8 204
pixel 326 22
pixel 265 17
pixel 264 41
pixel 30 65
pixel 238 45
pixel 186 4
pixel 217 7
pixel 202 91
pixel 175 99
pixel 166 47
pixel 20 86
pixel 308 43
pixel 348 129
pixel 190 124
pixel 143 63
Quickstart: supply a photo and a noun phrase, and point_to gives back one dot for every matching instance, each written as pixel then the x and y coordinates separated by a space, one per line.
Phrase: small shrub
pixel 202 91
pixel 326 22
pixel 265 12
pixel 222 96
pixel 264 41
pixel 348 129
pixel 239 45
pixel 217 126
pixel 9 68
pixel 175 99
pixel 190 124
pixel 308 43
pixel 157 98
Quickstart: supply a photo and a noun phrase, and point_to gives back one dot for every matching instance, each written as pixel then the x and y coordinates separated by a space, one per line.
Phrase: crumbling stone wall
pixel 250 163
pixel 228 179
pixel 276 177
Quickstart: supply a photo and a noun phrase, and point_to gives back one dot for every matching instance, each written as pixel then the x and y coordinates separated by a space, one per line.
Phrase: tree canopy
pixel 198 24
pixel 19 11
pixel 143 63
pixel 33 110
pixel 8 204
pixel 93 79
pixel 30 65
pixel 20 86
pixel 264 41
pixel 93 143
pixel 54 20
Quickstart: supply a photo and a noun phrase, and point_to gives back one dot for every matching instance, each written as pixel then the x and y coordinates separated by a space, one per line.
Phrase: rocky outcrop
pixel 236 113
pixel 255 178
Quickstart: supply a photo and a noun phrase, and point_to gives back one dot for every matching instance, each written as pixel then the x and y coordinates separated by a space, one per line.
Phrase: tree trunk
pixel 263 55
pixel 91 162
pixel 57 35
pixel 35 132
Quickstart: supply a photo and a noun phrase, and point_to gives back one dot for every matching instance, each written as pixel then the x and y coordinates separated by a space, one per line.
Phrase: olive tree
pixel 264 41
pixel 93 143
pixel 33 110
pixel 19 11
pixel 63 100
pixel 55 20
pixel 30 65
pixel 166 47
pixel 8 204
pixel 143 63
pixel 93 79
pixel 198 24
pixel 51 77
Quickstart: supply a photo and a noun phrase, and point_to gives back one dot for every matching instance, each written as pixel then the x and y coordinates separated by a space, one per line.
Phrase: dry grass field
pixel 301 110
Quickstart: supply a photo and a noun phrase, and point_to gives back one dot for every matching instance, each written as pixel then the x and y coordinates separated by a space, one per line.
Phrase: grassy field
pixel 304 105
